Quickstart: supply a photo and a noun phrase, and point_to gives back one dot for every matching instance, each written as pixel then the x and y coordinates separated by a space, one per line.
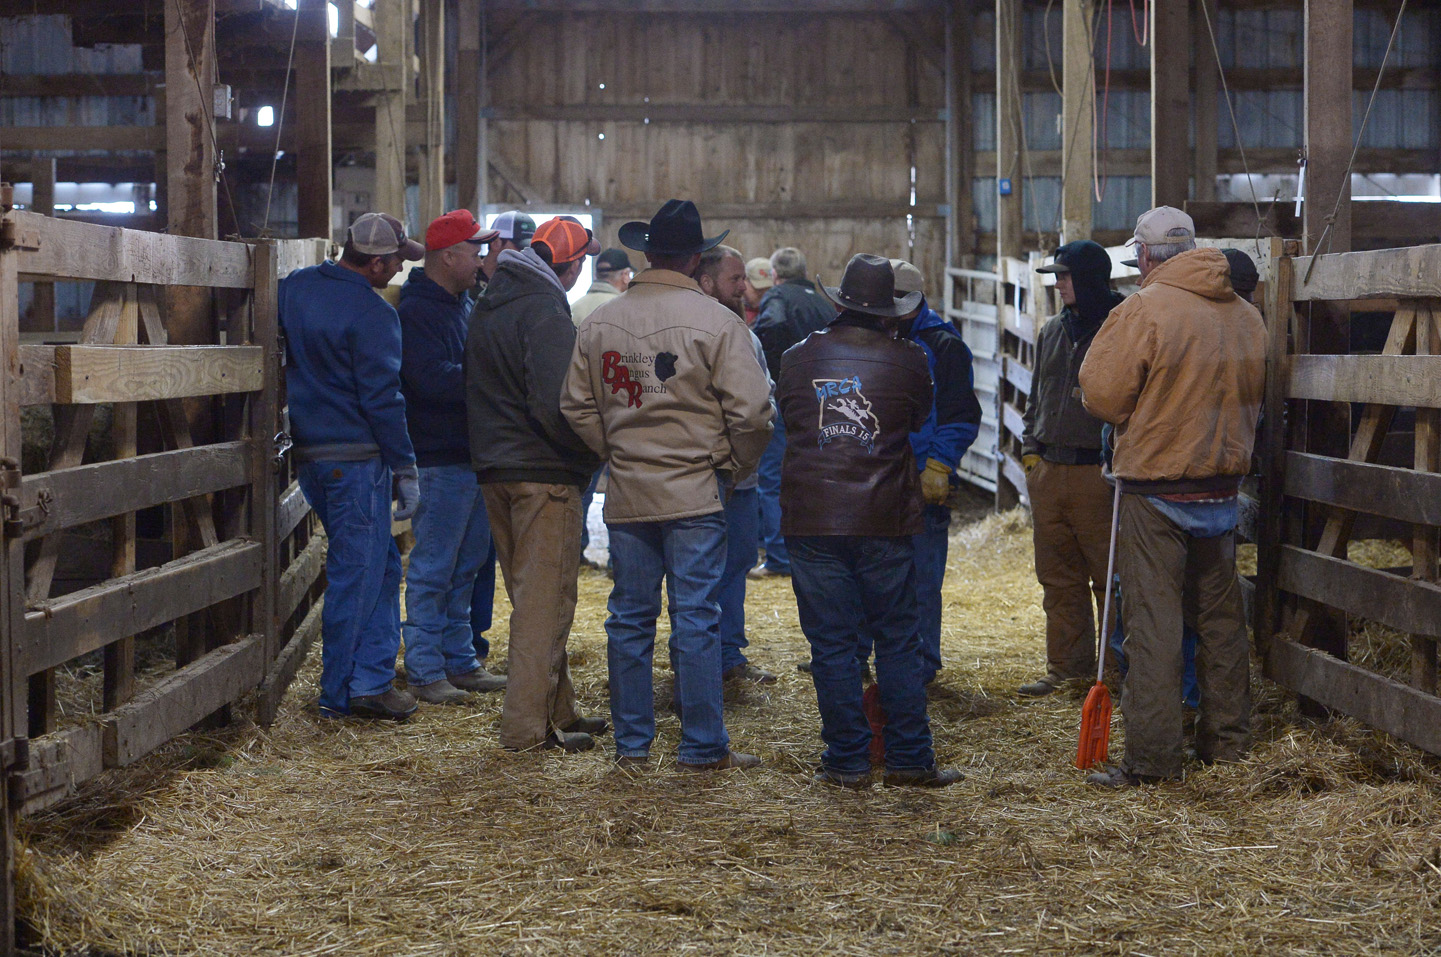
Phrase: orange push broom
pixel 1096 712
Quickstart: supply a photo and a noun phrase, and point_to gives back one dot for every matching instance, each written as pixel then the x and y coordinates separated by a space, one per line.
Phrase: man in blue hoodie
pixel 348 419
pixel 452 534
pixel 949 430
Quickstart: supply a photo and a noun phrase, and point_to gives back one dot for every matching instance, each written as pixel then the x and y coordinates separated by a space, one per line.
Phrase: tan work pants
pixel 1071 520
pixel 536 529
pixel 1168 577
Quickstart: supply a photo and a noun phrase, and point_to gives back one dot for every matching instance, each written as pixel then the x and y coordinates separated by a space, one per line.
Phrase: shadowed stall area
pixel 335 837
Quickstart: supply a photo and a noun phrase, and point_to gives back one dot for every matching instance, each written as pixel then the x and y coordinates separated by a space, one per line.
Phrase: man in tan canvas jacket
pixel 1179 368
pixel 664 385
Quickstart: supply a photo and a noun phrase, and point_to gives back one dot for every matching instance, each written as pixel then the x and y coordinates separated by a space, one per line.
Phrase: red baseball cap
pixel 567 239
pixel 456 226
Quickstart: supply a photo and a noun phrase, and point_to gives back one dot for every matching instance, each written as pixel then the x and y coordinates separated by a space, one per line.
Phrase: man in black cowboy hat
pixel 851 395
pixel 664 385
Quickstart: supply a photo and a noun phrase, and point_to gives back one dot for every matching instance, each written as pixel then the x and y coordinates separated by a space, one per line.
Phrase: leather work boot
pixel 748 672
pixel 1041 687
pixel 835 779
pixel 391 705
pixel 922 777
pixel 440 692
pixel 478 680
pixel 570 743
pixel 591 726
pixel 732 760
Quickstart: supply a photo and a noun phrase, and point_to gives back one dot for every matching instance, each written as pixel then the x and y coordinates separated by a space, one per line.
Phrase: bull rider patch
pixel 845 412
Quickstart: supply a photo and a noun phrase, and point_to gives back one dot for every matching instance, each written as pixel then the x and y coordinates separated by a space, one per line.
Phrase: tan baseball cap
pixel 379 234
pixel 758 273
pixel 1153 225
pixel 908 277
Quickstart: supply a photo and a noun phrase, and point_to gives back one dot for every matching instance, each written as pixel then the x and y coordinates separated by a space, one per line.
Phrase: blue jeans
pixel 931 545
pixel 848 587
pixel 769 474
pixel 690 552
pixel 482 598
pixel 452 537
pixel 742 517
pixel 1190 687
pixel 360 625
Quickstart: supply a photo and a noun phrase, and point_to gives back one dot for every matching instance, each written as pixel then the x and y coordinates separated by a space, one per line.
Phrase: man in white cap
pixel 1179 369
pixel 513 230
pixel 347 415
pixel 759 278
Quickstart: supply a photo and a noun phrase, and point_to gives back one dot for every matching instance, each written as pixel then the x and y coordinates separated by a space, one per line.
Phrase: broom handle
pixel 1110 586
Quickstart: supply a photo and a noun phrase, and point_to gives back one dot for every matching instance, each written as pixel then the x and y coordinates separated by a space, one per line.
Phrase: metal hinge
pixel 283 444
pixel 10 498
pixel 13 237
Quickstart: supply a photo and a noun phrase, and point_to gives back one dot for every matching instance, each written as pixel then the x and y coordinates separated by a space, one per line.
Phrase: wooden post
pixel 432 68
pixel 119 679
pixel 312 118
pixel 1207 85
pixel 469 123
pixel 1427 458
pixel 1328 83
pixel 1170 104
pixel 264 422
pixel 392 23
pixel 42 200
pixel 189 84
pixel 1010 182
pixel 1078 120
pixel 960 156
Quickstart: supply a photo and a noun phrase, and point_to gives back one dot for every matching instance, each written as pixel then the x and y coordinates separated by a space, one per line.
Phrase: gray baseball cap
pixel 379 234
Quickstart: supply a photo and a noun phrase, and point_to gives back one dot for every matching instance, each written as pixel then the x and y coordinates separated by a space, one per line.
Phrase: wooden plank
pixel 59 764
pixel 1396 602
pixel 108 138
pixel 290 512
pixel 1016 475
pixel 88 493
pixel 283 670
pixel 1408 714
pixel 64 628
pixel 1413 272
pixel 119 664
pixel 1383 379
pixel 832 209
pixel 89 374
pixel 1017 374
pixel 1397 493
pixel 36 382
pixel 179 700
pixel 293 254
pixel 71 250
pixel 296 580
pixel 711 113
pixel 1012 419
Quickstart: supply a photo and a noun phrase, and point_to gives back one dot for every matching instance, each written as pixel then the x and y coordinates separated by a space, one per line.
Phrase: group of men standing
pixel 488 418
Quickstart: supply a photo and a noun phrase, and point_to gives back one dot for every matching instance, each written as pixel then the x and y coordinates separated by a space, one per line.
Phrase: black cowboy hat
pixel 869 285
pixel 673 231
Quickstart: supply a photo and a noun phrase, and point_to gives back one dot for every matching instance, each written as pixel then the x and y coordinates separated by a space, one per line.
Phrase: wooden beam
pixel 42 201
pixel 470 87
pixel 63 628
pixel 432 152
pixel 64 249
pixel 79 84
pixel 1328 42
pixel 83 138
pixel 706 113
pixel 1426 458
pixel 1077 119
pixel 88 493
pixel 313 117
pixel 1397 493
pixel 392 30
pixel 960 158
pixel 1410 273
pixel 1009 161
pixel 1369 593
pixel 714 212
pixel 263 421
pixel 1390 706
pixel 179 700
pixel 190 71
pixel 1171 103
pixel 1207 113
pixel 1388 380
pixel 291 511
pixel 298 577
pixel 90 374
pixel 60 764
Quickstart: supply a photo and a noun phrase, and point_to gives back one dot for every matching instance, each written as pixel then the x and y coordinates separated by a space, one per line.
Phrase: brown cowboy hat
pixel 869 285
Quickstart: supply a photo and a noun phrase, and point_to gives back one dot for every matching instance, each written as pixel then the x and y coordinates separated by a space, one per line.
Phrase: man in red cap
pixel 452 535
pixel 531 468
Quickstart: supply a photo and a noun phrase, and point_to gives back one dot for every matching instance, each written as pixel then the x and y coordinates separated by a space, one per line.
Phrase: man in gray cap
pixel 613 274
pixel 513 231
pixel 1179 369
pixel 348 418
pixel 1061 453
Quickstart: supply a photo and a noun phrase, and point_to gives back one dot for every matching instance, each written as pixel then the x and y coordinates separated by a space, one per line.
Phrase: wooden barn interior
pixel 165 163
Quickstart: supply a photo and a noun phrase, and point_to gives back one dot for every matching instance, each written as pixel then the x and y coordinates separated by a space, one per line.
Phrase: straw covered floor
pixel 424 838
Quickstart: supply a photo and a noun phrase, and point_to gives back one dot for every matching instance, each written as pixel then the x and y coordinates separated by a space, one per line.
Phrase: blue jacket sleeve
pixel 375 362
pixel 958 413
pixel 426 366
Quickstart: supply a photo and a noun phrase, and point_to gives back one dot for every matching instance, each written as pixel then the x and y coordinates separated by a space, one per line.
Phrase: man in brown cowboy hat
pixel 851 503
pixel 665 386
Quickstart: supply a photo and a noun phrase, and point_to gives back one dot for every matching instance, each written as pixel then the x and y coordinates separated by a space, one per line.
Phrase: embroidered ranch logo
pixel 845 411
pixel 629 373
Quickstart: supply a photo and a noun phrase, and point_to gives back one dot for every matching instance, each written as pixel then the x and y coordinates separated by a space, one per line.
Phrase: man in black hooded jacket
pixel 1070 501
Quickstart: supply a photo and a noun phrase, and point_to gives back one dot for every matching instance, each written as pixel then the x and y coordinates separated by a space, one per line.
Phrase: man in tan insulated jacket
pixel 1179 368
pixel 664 385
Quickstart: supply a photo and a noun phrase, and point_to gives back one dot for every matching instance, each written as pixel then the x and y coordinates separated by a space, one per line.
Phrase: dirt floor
pixel 424 838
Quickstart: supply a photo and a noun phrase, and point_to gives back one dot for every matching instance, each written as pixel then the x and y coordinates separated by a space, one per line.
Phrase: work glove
pixel 407 492
pixel 935 482
pixel 1029 461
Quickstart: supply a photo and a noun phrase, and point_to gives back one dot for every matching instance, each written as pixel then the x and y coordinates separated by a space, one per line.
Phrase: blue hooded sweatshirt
pixel 342 368
pixel 433 324
pixel 955 417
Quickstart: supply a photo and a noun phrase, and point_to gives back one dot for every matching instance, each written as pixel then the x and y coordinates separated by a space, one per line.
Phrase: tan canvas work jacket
pixel 664 384
pixel 1180 369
